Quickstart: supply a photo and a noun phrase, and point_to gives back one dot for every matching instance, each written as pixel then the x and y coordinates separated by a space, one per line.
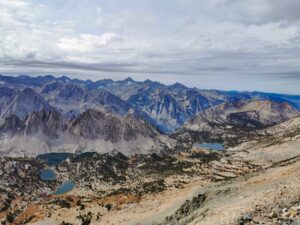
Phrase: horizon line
pixel 130 78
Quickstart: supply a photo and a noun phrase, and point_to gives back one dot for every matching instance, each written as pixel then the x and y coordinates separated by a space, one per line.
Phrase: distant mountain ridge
pixel 45 114
pixel 232 122
pixel 247 113
pixel 166 107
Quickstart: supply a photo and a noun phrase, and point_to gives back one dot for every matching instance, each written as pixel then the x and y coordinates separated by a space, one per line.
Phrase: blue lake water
pixel 65 187
pixel 213 146
pixel 47 175
pixel 53 159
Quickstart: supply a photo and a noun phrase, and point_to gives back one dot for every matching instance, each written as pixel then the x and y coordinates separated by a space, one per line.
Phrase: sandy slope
pixel 247 194
pixel 228 201
pixel 276 185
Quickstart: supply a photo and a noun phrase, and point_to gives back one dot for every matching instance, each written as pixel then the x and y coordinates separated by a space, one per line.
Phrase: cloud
pixel 188 38
pixel 87 42
pixel 15 4
pixel 258 11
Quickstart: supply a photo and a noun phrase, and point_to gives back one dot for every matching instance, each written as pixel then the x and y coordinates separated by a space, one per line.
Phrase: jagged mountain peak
pixel 128 79
pixel 45 122
pixel 100 115
pixel 51 87
pixel 148 81
pixel 25 102
pixel 64 79
pixel 98 124
pixel 72 91
pixel 77 98
pixel 92 130
pixel 177 86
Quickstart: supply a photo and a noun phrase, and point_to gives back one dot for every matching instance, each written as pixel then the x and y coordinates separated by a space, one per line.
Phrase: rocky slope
pixel 196 186
pixel 24 102
pixel 93 130
pixel 232 122
pixel 126 171
pixel 59 114
pixel 73 99
pixel 166 107
pixel 171 106
pixel 249 114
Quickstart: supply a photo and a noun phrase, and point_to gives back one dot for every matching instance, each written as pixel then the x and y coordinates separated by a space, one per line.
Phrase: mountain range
pixel 46 113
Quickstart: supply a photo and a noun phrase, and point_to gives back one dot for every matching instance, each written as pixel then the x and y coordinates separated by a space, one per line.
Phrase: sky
pixel 210 44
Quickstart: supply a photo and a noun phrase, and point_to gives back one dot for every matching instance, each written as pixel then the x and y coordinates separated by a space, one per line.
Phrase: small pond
pixel 213 146
pixel 47 175
pixel 65 187
pixel 53 159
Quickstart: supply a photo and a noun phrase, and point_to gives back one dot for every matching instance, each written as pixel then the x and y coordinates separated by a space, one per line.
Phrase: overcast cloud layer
pixel 221 44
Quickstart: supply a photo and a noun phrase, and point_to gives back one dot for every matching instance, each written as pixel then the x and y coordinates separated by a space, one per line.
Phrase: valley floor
pixel 267 196
pixel 262 195
pixel 257 182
